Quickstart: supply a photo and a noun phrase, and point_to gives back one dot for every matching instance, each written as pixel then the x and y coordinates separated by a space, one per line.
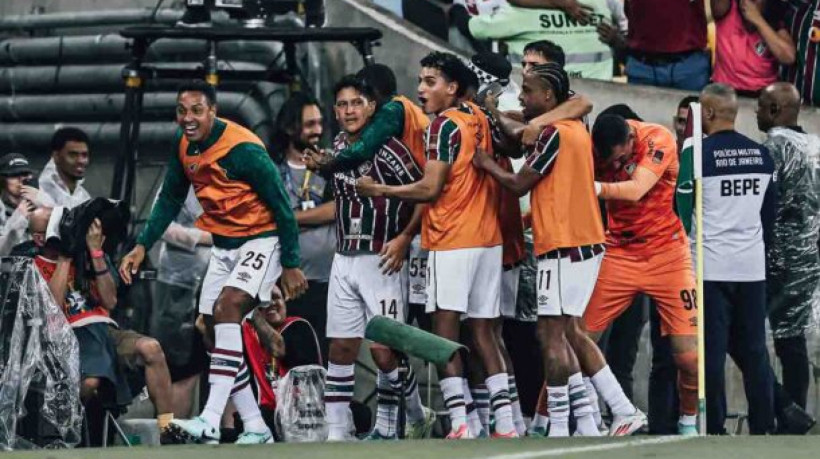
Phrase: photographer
pixel 105 350
pixel 17 200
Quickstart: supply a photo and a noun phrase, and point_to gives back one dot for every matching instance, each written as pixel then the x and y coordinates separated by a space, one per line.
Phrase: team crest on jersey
pixel 630 168
pixel 355 226
pixel 365 167
pixel 192 167
pixel 657 157
pixel 760 48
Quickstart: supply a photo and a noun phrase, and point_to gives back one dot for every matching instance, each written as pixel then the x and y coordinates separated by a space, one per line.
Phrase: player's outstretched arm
pixel 427 189
pixel 166 208
pixel 519 183
pixel 576 107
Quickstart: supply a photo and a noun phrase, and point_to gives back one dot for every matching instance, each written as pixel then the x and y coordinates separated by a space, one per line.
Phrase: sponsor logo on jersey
pixel 243 277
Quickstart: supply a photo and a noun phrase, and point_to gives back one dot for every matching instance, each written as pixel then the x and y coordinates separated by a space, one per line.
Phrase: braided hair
pixel 555 76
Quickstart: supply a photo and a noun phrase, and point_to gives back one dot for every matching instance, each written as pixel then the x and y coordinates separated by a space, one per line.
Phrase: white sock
pixel 581 408
pixel 518 416
pixel 481 398
pixel 387 407
pixel 226 358
pixel 452 389
pixel 593 401
pixel 248 409
pixel 473 419
pixel 558 402
pixel 688 419
pixel 415 410
pixel 338 393
pixel 612 393
pixel 540 421
pixel 500 403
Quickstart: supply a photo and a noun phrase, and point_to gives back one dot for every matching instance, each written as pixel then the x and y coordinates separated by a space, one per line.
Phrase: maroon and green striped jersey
pixel 366 224
pixel 803 22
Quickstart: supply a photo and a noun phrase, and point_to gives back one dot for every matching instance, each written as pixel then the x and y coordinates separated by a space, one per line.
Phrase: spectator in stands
pixel 183 260
pixel 586 55
pixel 104 349
pixel 667 44
pixel 793 260
pixel 802 19
pixel 460 14
pixel 738 210
pixel 16 200
pixel 752 42
pixel 62 178
pixel 680 119
pixel 299 126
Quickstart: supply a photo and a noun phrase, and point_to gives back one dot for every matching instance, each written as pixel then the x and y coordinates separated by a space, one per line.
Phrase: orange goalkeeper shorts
pixel 666 276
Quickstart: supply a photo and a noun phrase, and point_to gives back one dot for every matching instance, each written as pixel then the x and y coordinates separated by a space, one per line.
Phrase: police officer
pixel 738 205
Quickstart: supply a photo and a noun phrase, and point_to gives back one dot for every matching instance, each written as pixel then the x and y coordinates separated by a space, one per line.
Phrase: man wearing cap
pixel 16 200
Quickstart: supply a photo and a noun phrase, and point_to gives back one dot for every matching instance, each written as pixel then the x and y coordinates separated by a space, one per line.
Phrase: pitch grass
pixel 776 447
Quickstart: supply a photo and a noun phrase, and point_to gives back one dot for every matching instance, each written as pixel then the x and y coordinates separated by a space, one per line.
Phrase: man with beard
pixel 299 126
pixel 62 177
pixel 247 210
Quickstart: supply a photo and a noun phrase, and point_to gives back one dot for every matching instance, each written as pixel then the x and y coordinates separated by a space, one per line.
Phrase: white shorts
pixel 417 273
pixel 466 281
pixel 509 291
pixel 358 291
pixel 564 287
pixel 254 268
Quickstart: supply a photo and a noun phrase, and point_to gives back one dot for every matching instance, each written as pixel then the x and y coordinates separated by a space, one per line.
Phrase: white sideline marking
pixel 591 448
pixel 394 25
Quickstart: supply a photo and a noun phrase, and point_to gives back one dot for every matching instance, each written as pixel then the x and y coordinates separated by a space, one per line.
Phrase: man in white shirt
pixel 62 177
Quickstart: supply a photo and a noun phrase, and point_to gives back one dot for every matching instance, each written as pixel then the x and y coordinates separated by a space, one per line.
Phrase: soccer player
pixel 646 251
pixel 363 284
pixel 461 231
pixel 397 116
pixel 247 210
pixel 568 237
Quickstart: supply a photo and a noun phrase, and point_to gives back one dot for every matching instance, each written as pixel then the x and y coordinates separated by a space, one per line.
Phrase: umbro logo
pixel 543 299
pixel 244 277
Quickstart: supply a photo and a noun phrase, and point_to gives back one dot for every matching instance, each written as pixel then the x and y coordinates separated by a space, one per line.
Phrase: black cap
pixel 14 164
pixel 491 67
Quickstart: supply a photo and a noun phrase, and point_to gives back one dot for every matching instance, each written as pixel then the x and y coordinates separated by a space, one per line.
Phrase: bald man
pixel 105 349
pixel 793 260
pixel 737 210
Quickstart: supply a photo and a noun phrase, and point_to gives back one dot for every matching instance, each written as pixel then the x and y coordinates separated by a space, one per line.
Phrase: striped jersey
pixel 803 22
pixel 366 224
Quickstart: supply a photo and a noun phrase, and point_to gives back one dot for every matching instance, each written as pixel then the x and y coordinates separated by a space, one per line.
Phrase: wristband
pixel 97 253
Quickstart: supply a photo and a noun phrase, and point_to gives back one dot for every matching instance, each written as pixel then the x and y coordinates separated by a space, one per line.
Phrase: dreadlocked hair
pixel 555 76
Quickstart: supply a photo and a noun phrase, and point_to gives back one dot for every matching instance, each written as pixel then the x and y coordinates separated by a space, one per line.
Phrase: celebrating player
pixel 368 277
pixel 461 231
pixel 647 249
pixel 568 237
pixel 247 210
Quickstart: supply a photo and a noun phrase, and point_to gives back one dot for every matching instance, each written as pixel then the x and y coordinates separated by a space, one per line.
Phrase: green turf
pixel 634 447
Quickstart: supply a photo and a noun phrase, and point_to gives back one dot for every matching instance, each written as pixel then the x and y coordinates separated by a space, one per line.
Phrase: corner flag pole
pixel 697 157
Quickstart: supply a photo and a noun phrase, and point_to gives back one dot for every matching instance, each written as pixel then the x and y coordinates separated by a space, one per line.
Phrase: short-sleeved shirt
pixel 737 173
pixel 668 26
pixel 80 309
pixel 651 222
pixel 742 60
pixel 802 18
pixel 366 224
pixel 317 244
